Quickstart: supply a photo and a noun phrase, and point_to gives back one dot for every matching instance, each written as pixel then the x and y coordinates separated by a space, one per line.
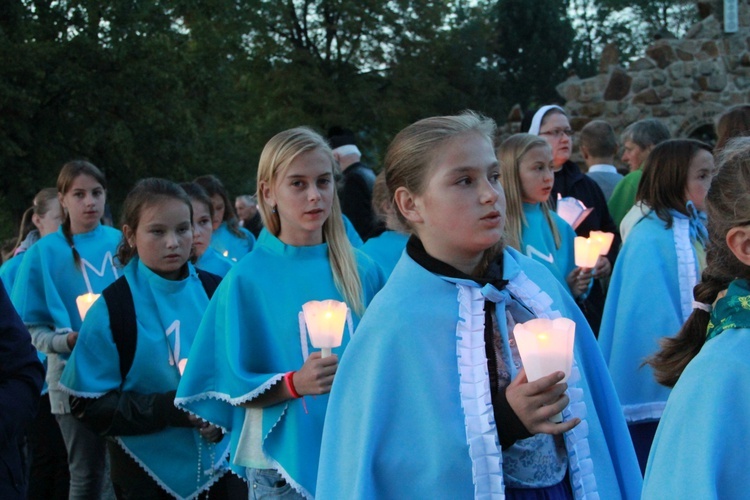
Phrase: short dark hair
pixel 598 137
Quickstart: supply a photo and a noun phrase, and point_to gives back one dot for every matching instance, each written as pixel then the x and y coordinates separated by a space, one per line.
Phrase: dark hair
pixel 39 206
pixel 734 122
pixel 598 137
pixel 213 186
pixel 646 133
pixel 147 192
pixel 68 174
pixel 728 206
pixel 665 174
pixel 196 193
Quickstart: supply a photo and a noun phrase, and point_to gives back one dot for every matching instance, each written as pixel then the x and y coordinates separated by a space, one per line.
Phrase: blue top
pixel 166 329
pixel 351 232
pixel 538 242
pixel 249 338
pixel 46 288
pixel 213 262
pixel 230 245
pixel 649 297
pixel 411 396
pixel 701 442
pixel 386 249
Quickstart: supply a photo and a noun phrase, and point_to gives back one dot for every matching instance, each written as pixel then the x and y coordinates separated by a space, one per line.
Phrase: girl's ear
pixel 37 221
pixel 129 235
pixel 265 190
pixel 408 205
pixel 738 241
pixel 62 203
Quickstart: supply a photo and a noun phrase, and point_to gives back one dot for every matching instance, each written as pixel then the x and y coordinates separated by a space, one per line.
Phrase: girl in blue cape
pixel 532 228
pixel 156 448
pixel 228 238
pixel 78 259
pixel 431 399
pixel 252 361
pixel 206 256
pixel 649 294
pixel 43 217
pixel 700 449
pixel 385 248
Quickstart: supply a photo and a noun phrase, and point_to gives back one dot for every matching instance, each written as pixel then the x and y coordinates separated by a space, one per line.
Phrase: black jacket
pixel 355 194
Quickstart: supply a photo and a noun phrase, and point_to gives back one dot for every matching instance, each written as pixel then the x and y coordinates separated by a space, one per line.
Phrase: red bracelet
pixel 289 381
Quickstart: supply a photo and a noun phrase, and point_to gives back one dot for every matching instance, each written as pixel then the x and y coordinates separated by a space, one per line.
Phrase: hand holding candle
pixel 84 303
pixel 325 323
pixel 546 346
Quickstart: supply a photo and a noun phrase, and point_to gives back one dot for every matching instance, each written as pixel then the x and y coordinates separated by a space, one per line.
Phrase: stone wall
pixel 684 82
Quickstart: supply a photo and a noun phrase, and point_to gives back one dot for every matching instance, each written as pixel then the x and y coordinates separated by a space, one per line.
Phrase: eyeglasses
pixel 558 132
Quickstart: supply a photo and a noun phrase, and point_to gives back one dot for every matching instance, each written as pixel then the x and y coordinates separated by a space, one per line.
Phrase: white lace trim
pixel 646 412
pixel 580 464
pixel 78 394
pixel 216 474
pixel 476 401
pixel 687 268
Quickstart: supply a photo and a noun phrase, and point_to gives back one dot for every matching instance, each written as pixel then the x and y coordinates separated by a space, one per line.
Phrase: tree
pixel 534 41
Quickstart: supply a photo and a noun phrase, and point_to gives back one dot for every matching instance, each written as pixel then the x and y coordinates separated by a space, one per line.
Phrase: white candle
pixel 587 252
pixel 546 346
pixel 325 323
pixel 84 303
pixel 603 239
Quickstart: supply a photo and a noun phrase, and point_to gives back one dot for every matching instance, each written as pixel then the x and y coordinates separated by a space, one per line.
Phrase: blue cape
pixel 700 446
pixel 167 314
pixel 231 246
pixel 351 232
pixel 649 297
pixel 538 243
pixel 48 283
pixel 386 249
pixel 248 339
pixel 213 262
pixel 9 271
pixel 402 423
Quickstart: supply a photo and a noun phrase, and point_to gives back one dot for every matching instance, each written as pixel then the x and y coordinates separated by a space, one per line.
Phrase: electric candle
pixel 84 303
pixel 587 251
pixel 546 346
pixel 603 239
pixel 325 323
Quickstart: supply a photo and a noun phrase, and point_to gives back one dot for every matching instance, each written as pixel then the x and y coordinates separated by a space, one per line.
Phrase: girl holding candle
pixel 532 228
pixel 229 238
pixel 76 260
pixel 250 366
pixel 157 451
pixel 431 399
pixel 206 256
pixel 649 294
pixel 701 444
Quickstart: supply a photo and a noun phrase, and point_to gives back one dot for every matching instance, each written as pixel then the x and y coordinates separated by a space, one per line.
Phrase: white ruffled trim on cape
pixel 215 477
pixel 79 394
pixel 687 268
pixel 476 400
pixel 580 464
pixel 645 412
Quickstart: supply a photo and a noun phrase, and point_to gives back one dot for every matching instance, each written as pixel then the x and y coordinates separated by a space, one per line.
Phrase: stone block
pixel 664 91
pixel 710 49
pixel 684 55
pixel 610 57
pixel 676 70
pixel 592 109
pixel 661 111
pixel 641 64
pixel 742 82
pixel 662 53
pixel 706 67
pixel 717 82
pixel 680 95
pixel 639 83
pixel 745 59
pixel 618 86
pixel 648 96
pixel 658 77
pixel 516 114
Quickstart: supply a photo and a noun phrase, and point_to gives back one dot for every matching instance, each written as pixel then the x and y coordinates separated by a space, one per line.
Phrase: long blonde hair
pixel 409 157
pixel 509 154
pixel 278 154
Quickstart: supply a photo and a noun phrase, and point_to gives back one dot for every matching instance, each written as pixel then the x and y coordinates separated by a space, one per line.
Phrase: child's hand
pixel 535 402
pixel 71 339
pixel 603 267
pixel 578 280
pixel 316 375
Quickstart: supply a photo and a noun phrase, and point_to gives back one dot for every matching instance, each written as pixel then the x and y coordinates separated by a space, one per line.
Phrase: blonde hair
pixel 408 160
pixel 510 153
pixel 278 154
